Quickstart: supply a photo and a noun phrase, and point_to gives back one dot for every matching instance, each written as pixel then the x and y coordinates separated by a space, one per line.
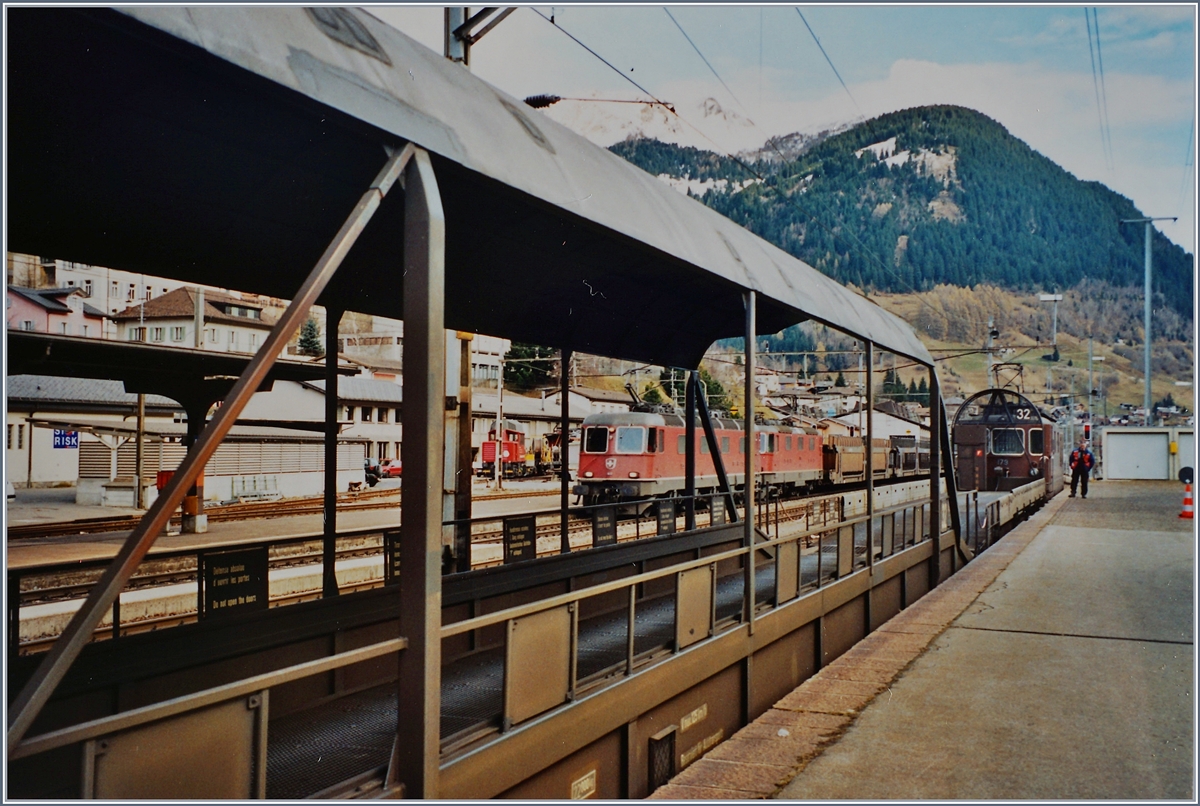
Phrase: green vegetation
pixel 960 202
pixel 522 370
pixel 310 339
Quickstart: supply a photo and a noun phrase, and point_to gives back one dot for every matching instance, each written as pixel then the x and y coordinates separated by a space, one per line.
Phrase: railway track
pixel 367 499
pixel 814 511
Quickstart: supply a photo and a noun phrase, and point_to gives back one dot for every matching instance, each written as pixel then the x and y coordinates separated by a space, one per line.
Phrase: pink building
pixel 53 310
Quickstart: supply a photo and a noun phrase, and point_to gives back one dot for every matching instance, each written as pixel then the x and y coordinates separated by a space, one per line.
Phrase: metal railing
pixel 665 611
pixel 124 755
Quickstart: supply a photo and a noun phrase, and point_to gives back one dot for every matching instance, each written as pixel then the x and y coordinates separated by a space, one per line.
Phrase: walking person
pixel 1081 461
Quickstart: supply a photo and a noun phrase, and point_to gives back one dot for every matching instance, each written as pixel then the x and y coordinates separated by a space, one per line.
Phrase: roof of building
pixel 365 390
pixel 373 363
pixel 49 388
pixel 48 298
pixel 181 304
pixel 606 395
pixel 531 408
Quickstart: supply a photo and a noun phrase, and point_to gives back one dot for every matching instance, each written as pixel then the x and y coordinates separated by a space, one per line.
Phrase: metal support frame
pixel 947 452
pixel 935 481
pixel 748 598
pixel 423 411
pixel 869 438
pixel 37 691
pixel 564 448
pixel 714 450
pixel 329 583
pixel 689 453
pixel 462 485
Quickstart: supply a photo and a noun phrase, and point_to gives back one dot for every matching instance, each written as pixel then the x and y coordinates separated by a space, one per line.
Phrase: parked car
pixel 372 471
pixel 391 468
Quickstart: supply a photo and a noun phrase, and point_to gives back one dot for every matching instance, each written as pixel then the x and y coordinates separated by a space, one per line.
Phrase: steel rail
pixel 45 679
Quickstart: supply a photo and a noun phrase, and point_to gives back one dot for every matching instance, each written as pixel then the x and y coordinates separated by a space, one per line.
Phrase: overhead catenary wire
pixel 762 179
pixel 611 66
pixel 708 63
pixel 1096 88
pixel 826 55
pixel 1103 89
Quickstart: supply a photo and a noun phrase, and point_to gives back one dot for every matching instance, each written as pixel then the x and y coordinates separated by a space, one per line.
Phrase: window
pixel 1007 442
pixel 136 333
pixel 20 437
pixel 233 339
pixel 742 445
pixel 787 443
pixel 724 444
pixel 397 417
pixel 210 335
pixel 1036 442
pixel 382 447
pixel 27 324
pixel 382 415
pixel 652 442
pixel 85 330
pixel 178 333
pixel 147 293
pixel 63 328
pixel 350 413
pixel 366 414
pixel 87 287
pixel 132 295
pixel 157 333
pixel 115 289
pixel 595 440
pixel 10 430
pixel 631 439
pixel 254 342
pixel 704 446
pixel 812 443
pixel 681 446
pixel 398 450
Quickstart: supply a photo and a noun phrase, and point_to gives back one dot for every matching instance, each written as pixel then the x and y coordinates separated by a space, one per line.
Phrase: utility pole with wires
pixel 1146 334
pixel 459 38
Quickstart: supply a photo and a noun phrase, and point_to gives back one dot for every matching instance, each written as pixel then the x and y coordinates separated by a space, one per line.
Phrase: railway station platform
pixel 1059 664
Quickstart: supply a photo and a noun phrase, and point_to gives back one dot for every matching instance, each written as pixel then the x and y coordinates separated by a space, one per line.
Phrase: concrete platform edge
pixel 762 758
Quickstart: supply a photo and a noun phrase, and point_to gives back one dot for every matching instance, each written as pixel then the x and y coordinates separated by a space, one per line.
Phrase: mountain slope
pixel 930 195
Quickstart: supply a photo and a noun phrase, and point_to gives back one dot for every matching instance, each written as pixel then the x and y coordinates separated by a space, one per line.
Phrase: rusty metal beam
pixel 37 691
pixel 423 412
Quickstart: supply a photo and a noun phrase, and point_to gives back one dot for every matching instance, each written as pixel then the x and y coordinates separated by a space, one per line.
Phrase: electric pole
pixel 1146 334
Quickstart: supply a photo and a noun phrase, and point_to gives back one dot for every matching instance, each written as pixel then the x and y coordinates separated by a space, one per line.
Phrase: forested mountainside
pixel 928 196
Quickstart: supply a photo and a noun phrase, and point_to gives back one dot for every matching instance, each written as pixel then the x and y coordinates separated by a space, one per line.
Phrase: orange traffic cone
pixel 1188 509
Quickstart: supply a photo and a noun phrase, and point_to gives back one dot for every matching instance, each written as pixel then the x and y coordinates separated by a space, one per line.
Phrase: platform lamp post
pixel 1146 328
pixel 1091 378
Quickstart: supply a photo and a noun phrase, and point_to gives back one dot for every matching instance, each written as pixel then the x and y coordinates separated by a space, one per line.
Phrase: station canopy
pixel 226 146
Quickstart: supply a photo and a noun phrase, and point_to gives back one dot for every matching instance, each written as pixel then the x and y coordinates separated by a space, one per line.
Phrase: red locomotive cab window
pixel 631 439
pixel 681 446
pixel 652 440
pixel 787 443
pixel 1036 442
pixel 812 443
pixel 595 439
pixel 724 445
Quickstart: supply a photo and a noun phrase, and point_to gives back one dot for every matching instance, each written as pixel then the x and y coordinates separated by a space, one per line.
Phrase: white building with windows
pixel 230 324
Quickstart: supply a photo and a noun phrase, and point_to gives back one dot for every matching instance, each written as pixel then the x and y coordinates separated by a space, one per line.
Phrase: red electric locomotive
pixel 511 446
pixel 636 455
pixel 1002 441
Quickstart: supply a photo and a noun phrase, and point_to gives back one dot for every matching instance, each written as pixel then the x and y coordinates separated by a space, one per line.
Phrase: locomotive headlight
pixel 587 474
pixel 634 475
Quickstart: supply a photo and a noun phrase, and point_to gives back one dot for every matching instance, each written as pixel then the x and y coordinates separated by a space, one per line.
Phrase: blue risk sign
pixel 66 439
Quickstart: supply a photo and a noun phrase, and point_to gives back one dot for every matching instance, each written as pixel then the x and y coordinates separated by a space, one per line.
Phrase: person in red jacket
pixel 1081 461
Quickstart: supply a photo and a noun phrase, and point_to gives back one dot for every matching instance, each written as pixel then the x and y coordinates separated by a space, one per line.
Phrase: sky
pixel 1028 67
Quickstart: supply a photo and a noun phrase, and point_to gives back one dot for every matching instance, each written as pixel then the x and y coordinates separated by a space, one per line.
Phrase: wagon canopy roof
pixel 226 146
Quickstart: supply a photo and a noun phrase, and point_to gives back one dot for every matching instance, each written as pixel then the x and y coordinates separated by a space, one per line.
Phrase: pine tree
pixel 841 379
pixel 310 339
